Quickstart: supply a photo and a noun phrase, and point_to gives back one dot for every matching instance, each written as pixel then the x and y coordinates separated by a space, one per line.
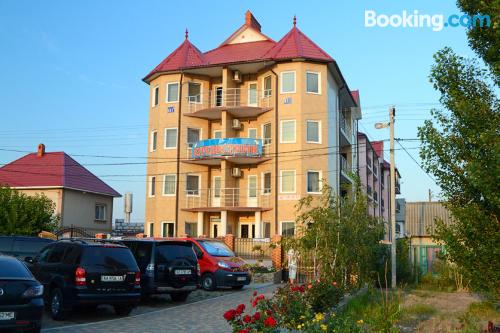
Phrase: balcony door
pixel 216 191
pixel 218 96
pixel 252 191
pixel 252 94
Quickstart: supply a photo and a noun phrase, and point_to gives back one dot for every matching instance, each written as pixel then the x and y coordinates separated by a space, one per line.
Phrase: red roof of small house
pixel 355 96
pixel 378 146
pixel 241 52
pixel 56 169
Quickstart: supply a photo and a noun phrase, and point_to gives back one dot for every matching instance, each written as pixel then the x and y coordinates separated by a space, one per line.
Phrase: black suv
pixel 22 247
pixel 87 272
pixel 167 266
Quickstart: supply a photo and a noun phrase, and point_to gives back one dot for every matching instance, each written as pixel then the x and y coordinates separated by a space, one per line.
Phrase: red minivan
pixel 219 266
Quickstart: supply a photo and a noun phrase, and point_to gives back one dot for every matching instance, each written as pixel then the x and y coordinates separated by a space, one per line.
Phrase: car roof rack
pixel 88 240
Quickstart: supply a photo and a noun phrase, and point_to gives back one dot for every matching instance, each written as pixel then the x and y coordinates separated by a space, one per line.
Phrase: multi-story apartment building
pixel 238 134
pixel 374 174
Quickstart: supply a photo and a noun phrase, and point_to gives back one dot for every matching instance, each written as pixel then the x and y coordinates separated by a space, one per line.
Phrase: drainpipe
pixel 276 179
pixel 178 158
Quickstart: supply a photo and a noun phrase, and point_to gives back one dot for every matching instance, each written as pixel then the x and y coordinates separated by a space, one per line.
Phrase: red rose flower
pixel 230 314
pixel 270 322
pixel 247 319
pixel 269 312
pixel 255 293
pixel 240 308
pixel 245 330
pixel 256 316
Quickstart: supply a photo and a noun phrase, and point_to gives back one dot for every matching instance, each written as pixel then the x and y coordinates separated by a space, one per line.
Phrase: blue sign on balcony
pixel 244 147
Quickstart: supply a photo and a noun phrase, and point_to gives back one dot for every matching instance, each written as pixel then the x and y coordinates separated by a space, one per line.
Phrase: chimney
pixel 251 21
pixel 41 150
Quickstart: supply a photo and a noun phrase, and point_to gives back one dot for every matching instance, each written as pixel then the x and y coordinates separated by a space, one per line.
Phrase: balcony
pixel 240 103
pixel 230 199
pixel 345 129
pixel 369 191
pixel 235 150
pixel 345 168
pixel 375 197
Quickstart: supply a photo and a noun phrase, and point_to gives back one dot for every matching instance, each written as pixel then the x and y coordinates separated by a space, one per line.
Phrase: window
pixel 252 94
pixel 172 92
pixel 313 181
pixel 194 92
pixel 154 141
pixel 217 134
pixel 287 228
pixel 267 86
pixel 247 230
pixel 266 133
pixel 252 133
pixel 100 212
pixel 266 183
pixel 217 187
pixel 287 181
pixel 152 186
pixel 313 130
pixel 190 228
pixel 193 184
pixel 193 136
pixel 287 82
pixel 267 229
pixel 156 93
pixel 151 230
pixel 57 254
pixel 252 186
pixel 312 83
pixel 287 131
pixel 170 138
pixel 167 229
pixel 169 184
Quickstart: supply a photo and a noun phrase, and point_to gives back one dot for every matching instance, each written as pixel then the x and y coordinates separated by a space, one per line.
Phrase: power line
pixel 414 160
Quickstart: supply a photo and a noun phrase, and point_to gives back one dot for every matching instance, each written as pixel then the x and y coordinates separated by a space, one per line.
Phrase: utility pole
pixel 392 114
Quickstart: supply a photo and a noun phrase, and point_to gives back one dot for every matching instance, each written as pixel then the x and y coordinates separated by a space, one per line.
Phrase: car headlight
pixel 34 291
pixel 222 264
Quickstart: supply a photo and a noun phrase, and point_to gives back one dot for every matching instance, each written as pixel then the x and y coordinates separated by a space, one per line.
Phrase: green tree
pixel 21 214
pixel 461 148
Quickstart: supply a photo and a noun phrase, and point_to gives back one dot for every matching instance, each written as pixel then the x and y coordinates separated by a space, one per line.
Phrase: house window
pixel 193 136
pixel 194 92
pixel 287 82
pixel 217 134
pixel 287 228
pixel 287 181
pixel 151 230
pixel 247 230
pixel 191 229
pixel 156 93
pixel 267 183
pixel 313 130
pixel 170 138
pixel 252 133
pixel 313 181
pixel 266 133
pixel 152 186
pixel 252 94
pixel 267 229
pixel 169 184
pixel 312 83
pixel 100 212
pixel 167 229
pixel 193 185
pixel 172 92
pixel 154 141
pixel 267 86
pixel 287 131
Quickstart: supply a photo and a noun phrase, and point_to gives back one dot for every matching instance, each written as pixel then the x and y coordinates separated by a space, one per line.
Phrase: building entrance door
pixel 215 227
pixel 246 226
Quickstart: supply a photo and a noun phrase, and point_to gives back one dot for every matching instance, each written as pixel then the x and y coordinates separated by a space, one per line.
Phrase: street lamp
pixel 390 124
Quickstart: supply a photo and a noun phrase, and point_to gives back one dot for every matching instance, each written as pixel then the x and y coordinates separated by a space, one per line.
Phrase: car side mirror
pixel 29 260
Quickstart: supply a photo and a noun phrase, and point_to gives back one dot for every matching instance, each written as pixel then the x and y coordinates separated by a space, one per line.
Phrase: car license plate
pixel 182 272
pixel 7 315
pixel 112 278
pixel 241 278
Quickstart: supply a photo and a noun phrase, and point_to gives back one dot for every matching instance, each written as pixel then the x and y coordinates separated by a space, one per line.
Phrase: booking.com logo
pixel 416 20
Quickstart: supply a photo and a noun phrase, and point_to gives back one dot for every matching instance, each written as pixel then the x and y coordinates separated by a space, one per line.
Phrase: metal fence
pixel 73 232
pixel 253 248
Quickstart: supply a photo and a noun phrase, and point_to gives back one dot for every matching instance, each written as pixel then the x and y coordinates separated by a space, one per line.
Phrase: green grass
pixel 420 310
pixel 477 316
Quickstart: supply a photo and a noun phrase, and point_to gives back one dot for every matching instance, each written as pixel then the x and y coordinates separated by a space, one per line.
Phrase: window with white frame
pixel 193 136
pixel 217 134
pixel 287 181
pixel 252 93
pixel 313 181
pixel 266 183
pixel 313 131
pixel 193 185
pixel 156 96
pixel 287 131
pixel 151 229
pixel 252 133
pixel 287 82
pixel 167 229
pixel 266 134
pixel 191 229
pixel 287 228
pixel 267 87
pixel 169 184
pixel 170 138
pixel 172 92
pixel 152 186
pixel 100 212
pixel 154 141
pixel 194 92
pixel 313 83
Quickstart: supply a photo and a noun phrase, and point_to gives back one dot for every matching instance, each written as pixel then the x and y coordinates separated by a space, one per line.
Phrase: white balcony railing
pixel 229 98
pixel 227 197
pixel 345 166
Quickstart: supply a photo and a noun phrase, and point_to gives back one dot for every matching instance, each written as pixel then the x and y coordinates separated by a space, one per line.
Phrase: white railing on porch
pixel 230 98
pixel 227 197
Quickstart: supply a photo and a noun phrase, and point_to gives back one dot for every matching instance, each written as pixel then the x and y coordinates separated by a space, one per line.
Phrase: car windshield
pixel 13 269
pixel 217 249
pixel 172 251
pixel 119 258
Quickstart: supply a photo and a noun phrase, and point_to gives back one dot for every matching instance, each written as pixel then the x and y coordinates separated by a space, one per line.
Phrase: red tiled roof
pixel 355 96
pixel 240 52
pixel 55 169
pixel 378 146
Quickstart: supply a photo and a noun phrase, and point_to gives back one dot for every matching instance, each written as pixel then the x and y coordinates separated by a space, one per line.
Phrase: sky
pixel 71 73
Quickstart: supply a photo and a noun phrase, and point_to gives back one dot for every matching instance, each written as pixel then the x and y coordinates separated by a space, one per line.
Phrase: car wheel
pixel 208 282
pixel 123 310
pixel 57 305
pixel 179 297
pixel 237 287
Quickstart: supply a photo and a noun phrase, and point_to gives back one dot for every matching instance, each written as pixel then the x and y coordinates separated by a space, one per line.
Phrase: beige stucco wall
pixel 54 194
